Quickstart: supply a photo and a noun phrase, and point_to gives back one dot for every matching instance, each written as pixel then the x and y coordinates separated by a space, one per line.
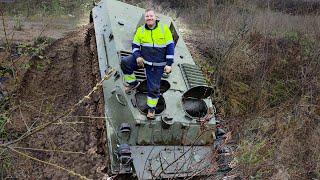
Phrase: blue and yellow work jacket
pixel 154 45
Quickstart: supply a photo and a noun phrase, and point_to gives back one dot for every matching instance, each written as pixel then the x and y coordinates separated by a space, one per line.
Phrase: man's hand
pixel 140 62
pixel 167 69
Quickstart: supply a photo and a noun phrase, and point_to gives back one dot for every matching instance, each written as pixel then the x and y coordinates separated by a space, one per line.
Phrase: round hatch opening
pixel 141 97
pixel 194 108
pixel 164 86
pixel 193 103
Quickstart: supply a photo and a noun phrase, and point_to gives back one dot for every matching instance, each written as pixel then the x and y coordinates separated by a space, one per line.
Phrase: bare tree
pixel 4 25
pixel 210 9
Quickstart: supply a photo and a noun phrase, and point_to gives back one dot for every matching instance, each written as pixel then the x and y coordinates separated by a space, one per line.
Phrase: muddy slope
pixel 49 88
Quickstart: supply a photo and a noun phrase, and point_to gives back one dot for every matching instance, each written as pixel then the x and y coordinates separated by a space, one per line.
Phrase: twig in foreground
pixel 48 163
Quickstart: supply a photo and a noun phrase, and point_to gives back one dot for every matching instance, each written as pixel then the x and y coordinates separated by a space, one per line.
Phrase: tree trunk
pixel 210 9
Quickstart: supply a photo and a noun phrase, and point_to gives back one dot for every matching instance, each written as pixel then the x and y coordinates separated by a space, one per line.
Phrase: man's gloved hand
pixel 140 62
pixel 167 69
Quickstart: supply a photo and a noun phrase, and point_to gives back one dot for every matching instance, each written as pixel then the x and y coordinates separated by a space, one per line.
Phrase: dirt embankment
pixel 50 87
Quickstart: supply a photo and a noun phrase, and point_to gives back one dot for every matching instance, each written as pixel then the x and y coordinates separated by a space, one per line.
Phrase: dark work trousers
pixel 153 73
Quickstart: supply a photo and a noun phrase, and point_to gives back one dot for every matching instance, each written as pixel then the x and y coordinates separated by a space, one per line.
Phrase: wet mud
pixel 50 87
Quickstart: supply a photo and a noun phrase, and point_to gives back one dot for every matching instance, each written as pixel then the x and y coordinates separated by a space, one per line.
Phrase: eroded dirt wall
pixel 50 87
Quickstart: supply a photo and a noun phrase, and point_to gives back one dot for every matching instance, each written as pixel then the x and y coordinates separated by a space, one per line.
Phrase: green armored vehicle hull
pixel 178 143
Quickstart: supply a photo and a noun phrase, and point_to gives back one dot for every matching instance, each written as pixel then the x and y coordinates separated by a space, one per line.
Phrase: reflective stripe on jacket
pixel 154 45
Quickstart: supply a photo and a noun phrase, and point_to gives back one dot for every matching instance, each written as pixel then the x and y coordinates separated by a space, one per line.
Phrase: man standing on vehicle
pixel 152 48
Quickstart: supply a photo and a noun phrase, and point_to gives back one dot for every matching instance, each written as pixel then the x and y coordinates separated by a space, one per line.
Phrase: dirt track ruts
pixel 50 87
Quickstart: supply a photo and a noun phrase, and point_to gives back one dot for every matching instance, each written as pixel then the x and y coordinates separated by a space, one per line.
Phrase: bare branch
pixel 49 150
pixel 71 172
pixel 4 27
pixel 67 113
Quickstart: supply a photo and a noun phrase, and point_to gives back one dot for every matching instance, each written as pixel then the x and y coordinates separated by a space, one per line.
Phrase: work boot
pixel 129 88
pixel 151 114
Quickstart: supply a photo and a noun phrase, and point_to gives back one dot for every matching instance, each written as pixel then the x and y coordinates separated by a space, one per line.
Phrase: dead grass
pixel 278 24
pixel 266 69
pixel 281 142
pixel 265 66
pixel 293 7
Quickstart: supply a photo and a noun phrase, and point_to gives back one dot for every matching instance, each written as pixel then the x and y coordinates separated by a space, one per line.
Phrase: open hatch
pixel 141 97
pixel 193 101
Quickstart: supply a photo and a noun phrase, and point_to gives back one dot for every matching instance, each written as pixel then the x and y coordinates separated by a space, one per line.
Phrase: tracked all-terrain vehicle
pixel 178 143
